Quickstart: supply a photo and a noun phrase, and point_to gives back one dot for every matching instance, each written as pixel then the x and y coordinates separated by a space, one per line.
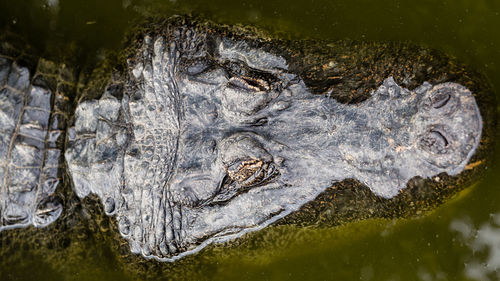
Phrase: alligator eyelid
pixel 197 66
pixel 209 202
pixel 271 173
pixel 258 122
pixel 226 179
pixel 236 162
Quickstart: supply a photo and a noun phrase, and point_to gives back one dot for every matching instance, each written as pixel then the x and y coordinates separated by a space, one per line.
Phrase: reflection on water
pixel 425 275
pixel 483 262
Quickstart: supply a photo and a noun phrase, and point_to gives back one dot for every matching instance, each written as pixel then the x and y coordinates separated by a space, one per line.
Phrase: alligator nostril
pixel 440 98
pixel 434 142
pixel 440 136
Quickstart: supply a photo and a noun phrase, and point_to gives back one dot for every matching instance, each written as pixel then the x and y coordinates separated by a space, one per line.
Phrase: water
pixel 458 241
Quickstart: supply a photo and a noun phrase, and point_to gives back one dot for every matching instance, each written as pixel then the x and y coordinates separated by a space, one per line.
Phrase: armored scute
pixel 210 132
pixel 32 126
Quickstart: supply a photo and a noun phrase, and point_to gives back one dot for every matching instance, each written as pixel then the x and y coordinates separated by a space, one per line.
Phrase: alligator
pixel 205 132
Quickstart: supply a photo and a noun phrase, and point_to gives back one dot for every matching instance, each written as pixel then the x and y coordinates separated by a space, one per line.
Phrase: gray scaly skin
pixel 206 138
pixel 32 130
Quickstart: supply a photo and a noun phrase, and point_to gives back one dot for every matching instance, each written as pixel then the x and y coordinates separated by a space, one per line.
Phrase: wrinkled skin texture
pixel 209 138
pixel 31 140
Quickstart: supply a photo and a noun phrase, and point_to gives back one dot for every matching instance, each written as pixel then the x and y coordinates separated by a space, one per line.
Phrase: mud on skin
pixel 211 132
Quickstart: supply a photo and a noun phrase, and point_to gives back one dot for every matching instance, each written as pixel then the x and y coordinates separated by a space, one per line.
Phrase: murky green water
pixel 459 241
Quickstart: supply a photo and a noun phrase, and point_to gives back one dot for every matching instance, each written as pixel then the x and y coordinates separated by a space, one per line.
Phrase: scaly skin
pixel 32 134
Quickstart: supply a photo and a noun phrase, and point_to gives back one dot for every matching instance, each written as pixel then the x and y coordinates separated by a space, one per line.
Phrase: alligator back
pixel 33 113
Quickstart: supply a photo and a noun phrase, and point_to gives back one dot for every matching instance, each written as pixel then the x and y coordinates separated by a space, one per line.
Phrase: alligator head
pixel 209 137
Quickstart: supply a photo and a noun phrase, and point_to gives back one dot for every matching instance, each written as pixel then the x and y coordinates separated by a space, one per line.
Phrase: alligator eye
pixel 434 142
pixel 252 172
pixel 249 83
pixel 241 177
pixel 440 98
